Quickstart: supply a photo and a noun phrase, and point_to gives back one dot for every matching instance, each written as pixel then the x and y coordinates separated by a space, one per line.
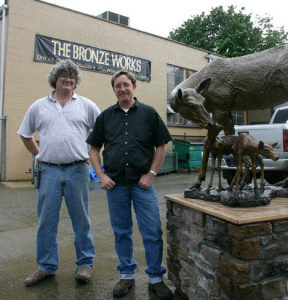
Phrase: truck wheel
pixel 274 177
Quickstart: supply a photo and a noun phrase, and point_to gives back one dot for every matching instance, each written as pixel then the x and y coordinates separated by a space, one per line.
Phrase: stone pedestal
pixel 217 252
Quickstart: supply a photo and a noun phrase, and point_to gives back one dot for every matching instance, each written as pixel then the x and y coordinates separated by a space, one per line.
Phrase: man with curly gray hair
pixel 64 67
pixel 63 121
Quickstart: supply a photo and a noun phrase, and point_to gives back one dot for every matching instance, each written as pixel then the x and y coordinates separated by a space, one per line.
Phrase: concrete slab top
pixel 277 209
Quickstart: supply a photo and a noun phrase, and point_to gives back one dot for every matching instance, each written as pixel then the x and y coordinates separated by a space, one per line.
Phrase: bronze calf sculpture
pixel 246 145
pixel 219 146
pixel 241 147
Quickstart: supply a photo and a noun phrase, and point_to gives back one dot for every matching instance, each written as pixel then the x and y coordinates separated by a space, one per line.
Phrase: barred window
pixel 238 117
pixel 176 75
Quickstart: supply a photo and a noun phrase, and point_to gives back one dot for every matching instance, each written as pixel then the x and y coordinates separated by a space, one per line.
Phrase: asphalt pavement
pixel 18 226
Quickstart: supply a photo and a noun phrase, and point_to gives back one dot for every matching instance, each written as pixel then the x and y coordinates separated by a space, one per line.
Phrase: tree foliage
pixel 229 33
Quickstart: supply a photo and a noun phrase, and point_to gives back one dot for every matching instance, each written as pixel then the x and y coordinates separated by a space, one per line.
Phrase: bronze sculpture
pixel 246 145
pixel 255 81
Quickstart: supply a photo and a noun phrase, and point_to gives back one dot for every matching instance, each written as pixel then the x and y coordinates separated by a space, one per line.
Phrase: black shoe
pixel 161 290
pixel 122 287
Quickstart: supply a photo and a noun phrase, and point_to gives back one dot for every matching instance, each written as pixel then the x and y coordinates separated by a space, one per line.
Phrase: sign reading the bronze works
pixel 50 50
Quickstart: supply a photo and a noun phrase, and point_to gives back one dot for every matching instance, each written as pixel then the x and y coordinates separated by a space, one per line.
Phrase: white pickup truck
pixel 275 131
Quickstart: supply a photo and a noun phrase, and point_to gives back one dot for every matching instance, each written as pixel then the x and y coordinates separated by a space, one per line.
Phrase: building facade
pixel 37 33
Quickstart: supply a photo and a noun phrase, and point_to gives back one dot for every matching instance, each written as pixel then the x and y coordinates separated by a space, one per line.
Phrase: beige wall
pixel 258 116
pixel 26 80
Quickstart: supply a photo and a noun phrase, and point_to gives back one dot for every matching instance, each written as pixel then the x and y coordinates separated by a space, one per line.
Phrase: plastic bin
pixel 93 176
pixel 189 153
pixel 170 163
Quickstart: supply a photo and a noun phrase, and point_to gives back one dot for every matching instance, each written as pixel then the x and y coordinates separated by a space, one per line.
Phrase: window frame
pixel 175 119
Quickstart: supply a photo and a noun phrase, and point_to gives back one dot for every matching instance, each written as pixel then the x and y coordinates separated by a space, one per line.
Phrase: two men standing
pixel 130 132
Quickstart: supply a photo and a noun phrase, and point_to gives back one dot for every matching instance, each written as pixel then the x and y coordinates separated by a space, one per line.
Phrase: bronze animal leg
pixel 235 176
pixel 246 172
pixel 239 171
pixel 219 158
pixel 203 168
pixel 254 171
pixel 225 119
pixel 262 183
pixel 212 172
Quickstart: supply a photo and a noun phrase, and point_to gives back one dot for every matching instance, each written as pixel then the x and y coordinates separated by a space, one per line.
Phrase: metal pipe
pixel 2 73
pixel 6 149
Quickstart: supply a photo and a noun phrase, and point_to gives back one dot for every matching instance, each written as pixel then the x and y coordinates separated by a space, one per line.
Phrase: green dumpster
pixel 169 164
pixel 189 153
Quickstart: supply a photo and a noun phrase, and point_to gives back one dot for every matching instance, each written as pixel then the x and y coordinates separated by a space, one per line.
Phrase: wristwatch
pixel 153 172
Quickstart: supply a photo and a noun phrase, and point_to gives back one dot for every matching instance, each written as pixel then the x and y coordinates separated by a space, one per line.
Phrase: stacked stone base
pixel 210 258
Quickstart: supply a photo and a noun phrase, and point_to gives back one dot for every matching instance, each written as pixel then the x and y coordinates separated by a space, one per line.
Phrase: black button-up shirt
pixel 129 140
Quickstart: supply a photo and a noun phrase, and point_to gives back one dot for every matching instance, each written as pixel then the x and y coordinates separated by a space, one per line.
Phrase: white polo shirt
pixel 62 130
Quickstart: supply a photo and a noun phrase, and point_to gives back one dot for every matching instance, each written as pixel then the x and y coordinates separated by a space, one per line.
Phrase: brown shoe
pixel 36 277
pixel 122 287
pixel 83 274
pixel 161 290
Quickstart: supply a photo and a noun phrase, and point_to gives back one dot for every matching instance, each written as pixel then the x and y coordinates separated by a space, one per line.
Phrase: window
pixel 238 117
pixel 281 117
pixel 176 75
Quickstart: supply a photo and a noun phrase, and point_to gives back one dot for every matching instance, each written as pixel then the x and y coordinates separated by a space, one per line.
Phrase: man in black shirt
pixel 134 139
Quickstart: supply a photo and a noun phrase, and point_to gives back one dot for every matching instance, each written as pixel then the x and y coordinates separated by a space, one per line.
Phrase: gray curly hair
pixel 64 67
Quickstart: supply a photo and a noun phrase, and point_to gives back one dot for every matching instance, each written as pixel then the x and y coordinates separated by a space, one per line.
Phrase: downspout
pixel 2 74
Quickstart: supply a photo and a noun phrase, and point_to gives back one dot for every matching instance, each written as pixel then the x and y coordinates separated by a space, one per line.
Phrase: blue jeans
pixel 72 182
pixel 145 203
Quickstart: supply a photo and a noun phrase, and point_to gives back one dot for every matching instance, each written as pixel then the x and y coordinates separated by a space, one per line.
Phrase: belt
pixel 64 165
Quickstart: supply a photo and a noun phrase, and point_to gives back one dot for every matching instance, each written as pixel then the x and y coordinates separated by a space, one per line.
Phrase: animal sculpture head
pixel 189 102
pixel 267 150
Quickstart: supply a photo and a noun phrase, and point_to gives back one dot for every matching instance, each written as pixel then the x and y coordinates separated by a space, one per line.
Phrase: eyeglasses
pixel 121 85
